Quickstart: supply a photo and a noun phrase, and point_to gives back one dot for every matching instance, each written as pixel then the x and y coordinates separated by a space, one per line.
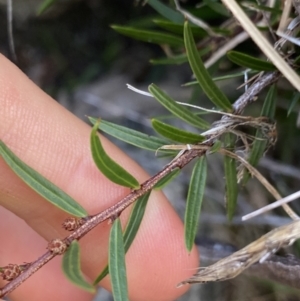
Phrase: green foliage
pixel 130 136
pixel 167 179
pixel 217 7
pixel 44 6
pixel 176 109
pixel 175 134
pixel 261 141
pixel 199 70
pixel 41 185
pixel 71 267
pixel 249 61
pixel 166 11
pixel 198 32
pixel 231 186
pixel 116 260
pixel 182 42
pixel 177 59
pixel 131 229
pixel 294 102
pixel 107 166
pixel 149 36
pixel 194 202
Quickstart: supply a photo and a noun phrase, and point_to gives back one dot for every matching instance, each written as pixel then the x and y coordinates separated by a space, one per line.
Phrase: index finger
pixel 55 143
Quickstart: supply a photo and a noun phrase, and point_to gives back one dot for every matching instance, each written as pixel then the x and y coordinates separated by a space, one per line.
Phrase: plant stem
pixel 115 210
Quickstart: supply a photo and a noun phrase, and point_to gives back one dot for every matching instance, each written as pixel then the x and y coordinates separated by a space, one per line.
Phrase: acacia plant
pixel 187 36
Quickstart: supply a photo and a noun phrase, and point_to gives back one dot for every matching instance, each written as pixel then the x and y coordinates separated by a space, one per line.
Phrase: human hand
pixel 55 143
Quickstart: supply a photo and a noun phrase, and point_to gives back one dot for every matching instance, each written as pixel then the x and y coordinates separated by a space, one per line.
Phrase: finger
pixel 25 245
pixel 56 144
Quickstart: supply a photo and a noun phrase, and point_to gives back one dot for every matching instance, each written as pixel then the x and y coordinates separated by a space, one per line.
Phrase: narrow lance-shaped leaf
pixel 149 36
pixel 231 185
pixel 167 179
pixel 223 77
pixel 217 145
pixel 44 6
pixel 41 185
pixel 194 202
pixel 71 267
pixel 116 260
pixel 130 136
pixel 166 11
pixel 176 109
pixel 294 101
pixel 217 7
pixel 176 134
pixel 261 141
pixel 177 59
pixel 178 28
pixel 202 75
pixel 134 221
pixel 112 170
pixel 248 61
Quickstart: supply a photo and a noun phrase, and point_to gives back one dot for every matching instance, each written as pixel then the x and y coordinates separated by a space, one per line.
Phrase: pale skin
pixel 56 143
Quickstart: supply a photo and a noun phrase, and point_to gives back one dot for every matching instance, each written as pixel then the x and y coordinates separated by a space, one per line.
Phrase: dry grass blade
pixel 289 34
pixel 220 52
pixel 284 16
pixel 274 205
pixel 257 251
pixel 264 182
pixel 262 43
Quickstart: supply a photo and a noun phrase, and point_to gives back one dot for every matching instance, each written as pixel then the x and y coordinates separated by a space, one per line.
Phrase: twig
pixel 110 213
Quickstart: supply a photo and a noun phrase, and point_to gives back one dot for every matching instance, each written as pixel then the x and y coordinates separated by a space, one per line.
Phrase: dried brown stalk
pixel 258 251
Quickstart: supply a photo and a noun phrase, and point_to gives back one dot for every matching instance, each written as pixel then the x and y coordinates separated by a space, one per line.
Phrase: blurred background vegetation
pixel 72 53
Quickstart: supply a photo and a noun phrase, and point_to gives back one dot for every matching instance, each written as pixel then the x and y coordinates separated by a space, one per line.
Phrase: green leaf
pixel 149 36
pixel 217 145
pixel 194 202
pixel 167 179
pixel 130 136
pixel 256 7
pixel 231 186
pixel 202 75
pixel 217 7
pixel 112 170
pixel 220 78
pixel 71 267
pixel 173 60
pixel 260 142
pixel 166 11
pixel 134 222
pixel 116 260
pixel 248 61
pixel 294 101
pixel 40 184
pixel 44 6
pixel 177 59
pixel 178 28
pixel 175 133
pixel 176 109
